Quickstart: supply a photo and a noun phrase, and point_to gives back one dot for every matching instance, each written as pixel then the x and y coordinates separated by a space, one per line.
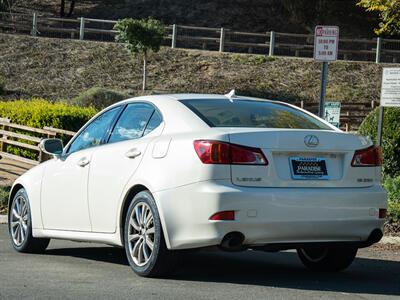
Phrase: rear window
pixel 251 113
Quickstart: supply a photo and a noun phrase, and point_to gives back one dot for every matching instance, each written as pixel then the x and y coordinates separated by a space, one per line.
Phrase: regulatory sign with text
pixel 332 113
pixel 326 40
pixel 390 93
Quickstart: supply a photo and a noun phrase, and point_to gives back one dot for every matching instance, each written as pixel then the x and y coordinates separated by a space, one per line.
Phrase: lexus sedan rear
pixel 157 174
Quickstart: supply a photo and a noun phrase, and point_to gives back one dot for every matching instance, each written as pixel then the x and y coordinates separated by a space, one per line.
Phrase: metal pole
pixel 144 71
pixel 378 50
pixel 82 29
pixel 272 43
pixel 222 40
pixel 324 82
pixel 174 33
pixel 380 125
pixel 34 24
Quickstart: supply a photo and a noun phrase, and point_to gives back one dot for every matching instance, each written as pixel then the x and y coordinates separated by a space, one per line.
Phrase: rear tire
pixel 327 259
pixel 144 241
pixel 20 226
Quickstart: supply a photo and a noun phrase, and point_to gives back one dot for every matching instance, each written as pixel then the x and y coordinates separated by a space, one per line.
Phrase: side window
pixel 93 134
pixel 154 122
pixel 132 122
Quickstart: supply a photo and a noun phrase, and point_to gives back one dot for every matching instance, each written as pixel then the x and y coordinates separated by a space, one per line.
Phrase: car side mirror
pixel 52 147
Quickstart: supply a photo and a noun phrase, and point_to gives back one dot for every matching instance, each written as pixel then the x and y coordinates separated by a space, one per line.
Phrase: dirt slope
pixel 54 68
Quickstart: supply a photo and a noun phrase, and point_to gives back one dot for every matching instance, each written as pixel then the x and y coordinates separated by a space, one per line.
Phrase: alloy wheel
pixel 19 220
pixel 141 234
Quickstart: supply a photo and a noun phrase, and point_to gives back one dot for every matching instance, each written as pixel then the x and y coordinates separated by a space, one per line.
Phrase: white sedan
pixel 157 174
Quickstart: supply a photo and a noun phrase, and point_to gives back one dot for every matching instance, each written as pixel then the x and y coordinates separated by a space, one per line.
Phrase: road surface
pixel 71 270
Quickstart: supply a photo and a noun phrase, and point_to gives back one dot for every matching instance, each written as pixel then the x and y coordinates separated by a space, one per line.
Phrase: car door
pixel 113 164
pixel 64 203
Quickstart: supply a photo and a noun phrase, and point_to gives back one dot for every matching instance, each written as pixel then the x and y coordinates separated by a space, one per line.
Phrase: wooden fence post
pixel 174 34
pixel 34 24
pixel 222 40
pixel 271 43
pixel 378 50
pixel 82 28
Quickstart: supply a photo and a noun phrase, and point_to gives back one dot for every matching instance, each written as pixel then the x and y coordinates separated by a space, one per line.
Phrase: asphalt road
pixel 93 271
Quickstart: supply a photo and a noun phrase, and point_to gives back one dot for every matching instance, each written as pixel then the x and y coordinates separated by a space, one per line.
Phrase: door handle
pixel 132 153
pixel 83 162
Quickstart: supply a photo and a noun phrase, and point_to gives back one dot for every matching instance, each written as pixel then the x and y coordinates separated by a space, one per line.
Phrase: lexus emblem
pixel 311 141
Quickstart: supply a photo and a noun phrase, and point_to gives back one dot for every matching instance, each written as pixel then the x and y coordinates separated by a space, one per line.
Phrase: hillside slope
pixel 59 69
pixel 244 15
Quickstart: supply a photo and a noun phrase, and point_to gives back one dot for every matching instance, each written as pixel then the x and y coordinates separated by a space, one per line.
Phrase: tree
pixel 140 37
pixel 62 8
pixel 389 13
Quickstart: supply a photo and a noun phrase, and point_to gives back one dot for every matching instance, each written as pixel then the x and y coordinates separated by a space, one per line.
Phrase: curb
pixel 393 240
pixel 3 219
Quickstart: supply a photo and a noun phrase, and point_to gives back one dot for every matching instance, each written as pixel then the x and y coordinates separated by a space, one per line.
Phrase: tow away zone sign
pixel 326 40
pixel 390 93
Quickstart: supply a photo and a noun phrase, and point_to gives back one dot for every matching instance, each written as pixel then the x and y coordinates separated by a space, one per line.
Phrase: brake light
pixel 228 215
pixel 369 157
pixel 217 152
pixel 382 213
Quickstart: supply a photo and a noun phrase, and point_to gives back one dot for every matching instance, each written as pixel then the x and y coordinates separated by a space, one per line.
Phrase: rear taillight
pixel 369 157
pixel 228 215
pixel 216 152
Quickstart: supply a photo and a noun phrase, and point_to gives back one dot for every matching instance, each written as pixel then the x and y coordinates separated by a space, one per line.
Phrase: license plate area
pixel 308 168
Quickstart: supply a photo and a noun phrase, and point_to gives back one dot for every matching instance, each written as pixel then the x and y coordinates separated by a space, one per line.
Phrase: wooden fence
pixel 219 39
pixel 26 137
pixel 351 114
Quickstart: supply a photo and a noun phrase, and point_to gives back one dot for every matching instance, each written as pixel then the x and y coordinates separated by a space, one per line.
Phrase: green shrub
pixel 390 138
pixel 392 186
pixel 39 113
pixel 97 97
pixel 4 192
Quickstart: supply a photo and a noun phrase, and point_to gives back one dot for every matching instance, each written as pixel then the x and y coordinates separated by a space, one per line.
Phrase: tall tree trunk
pixel 71 8
pixel 62 8
pixel 144 71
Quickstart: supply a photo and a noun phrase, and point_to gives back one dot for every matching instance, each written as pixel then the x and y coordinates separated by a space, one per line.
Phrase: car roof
pixel 191 96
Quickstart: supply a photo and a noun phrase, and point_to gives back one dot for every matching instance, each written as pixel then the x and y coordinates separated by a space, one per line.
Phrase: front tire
pixel 20 226
pixel 144 241
pixel 327 259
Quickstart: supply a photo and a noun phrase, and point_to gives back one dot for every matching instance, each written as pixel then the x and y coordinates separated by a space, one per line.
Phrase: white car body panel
pixel 66 206
pixel 275 209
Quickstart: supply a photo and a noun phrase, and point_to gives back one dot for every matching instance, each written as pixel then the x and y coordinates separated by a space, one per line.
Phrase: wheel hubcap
pixel 19 220
pixel 141 234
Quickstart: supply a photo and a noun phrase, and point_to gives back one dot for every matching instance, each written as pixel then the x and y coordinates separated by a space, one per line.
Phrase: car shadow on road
pixel 280 270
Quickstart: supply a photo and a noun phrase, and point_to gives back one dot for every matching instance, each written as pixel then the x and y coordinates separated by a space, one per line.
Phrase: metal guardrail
pixel 207 38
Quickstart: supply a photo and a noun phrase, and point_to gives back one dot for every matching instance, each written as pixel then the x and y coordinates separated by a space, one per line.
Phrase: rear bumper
pixel 268 215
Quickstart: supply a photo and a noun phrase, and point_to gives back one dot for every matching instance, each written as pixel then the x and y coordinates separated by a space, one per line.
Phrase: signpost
pixel 390 95
pixel 332 113
pixel 326 41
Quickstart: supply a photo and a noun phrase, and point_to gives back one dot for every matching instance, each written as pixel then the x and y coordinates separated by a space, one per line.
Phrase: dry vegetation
pixel 53 68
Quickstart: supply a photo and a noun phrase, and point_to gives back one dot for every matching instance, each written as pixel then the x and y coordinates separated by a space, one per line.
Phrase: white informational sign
pixel 390 93
pixel 332 113
pixel 326 41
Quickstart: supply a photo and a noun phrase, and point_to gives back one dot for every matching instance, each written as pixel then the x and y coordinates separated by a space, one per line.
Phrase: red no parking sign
pixel 326 40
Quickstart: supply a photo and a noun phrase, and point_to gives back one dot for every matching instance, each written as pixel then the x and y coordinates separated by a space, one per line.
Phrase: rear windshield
pixel 251 113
